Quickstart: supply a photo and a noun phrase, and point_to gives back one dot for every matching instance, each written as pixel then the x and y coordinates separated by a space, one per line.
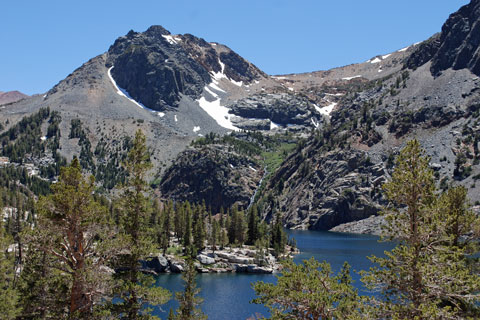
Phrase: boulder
pixel 177 266
pixel 158 263
pixel 253 268
pixel 203 259
pixel 241 268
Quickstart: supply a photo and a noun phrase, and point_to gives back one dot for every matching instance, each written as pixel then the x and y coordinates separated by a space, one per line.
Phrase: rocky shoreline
pixel 228 260
pixel 371 225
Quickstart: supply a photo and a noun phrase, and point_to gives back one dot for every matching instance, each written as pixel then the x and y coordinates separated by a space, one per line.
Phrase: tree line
pixel 79 256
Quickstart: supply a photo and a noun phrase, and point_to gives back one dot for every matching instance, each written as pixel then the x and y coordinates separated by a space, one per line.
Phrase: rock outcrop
pixel 240 260
pixel 11 96
pixel 456 46
pixel 282 108
pixel 212 174
pixel 320 190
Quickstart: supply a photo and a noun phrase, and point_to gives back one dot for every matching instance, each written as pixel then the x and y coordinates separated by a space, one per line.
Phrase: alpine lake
pixel 228 295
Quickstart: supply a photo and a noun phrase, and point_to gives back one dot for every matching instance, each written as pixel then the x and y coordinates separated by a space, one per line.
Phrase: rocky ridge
pixel 456 46
pixel 156 67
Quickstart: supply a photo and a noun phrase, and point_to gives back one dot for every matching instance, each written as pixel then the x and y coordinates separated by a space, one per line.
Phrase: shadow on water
pixel 227 296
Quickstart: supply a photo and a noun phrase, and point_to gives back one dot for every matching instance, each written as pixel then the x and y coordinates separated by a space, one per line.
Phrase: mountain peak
pixel 11 96
pixel 156 67
pixel 157 30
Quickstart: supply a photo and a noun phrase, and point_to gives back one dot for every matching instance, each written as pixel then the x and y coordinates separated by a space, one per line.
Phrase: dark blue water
pixel 228 296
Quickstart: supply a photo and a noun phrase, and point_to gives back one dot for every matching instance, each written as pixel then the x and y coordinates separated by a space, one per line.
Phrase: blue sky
pixel 44 41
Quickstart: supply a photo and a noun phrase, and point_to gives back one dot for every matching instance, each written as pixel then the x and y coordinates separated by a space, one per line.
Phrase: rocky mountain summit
pixel 156 67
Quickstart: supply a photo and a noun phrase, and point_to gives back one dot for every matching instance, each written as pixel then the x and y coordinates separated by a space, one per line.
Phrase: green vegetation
pixel 134 288
pixel 432 273
pixel 310 291
pixel 8 294
pixel 25 137
pixel 188 299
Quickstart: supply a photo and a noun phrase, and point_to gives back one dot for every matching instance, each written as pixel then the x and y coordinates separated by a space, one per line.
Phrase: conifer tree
pixel 135 289
pixel 214 235
pixel 188 299
pixel 424 276
pixel 310 291
pixel 278 236
pixel 253 225
pixel 8 294
pixel 199 228
pixel 73 231
pixel 187 233
pixel 43 290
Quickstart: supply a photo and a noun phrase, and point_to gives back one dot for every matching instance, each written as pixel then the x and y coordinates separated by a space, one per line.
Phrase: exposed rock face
pixel 325 189
pixel 371 225
pixel 457 45
pixel 155 67
pixel 214 175
pixel 154 70
pixel 204 259
pixel 281 108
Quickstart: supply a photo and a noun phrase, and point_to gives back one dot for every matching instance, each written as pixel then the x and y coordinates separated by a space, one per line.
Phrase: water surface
pixel 228 296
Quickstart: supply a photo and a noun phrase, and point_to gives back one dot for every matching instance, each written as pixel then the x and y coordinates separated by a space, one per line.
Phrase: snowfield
pixel 350 78
pixel 325 110
pixel 218 112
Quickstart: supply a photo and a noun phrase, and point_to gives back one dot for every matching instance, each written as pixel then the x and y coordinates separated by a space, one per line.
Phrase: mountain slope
pixel 374 116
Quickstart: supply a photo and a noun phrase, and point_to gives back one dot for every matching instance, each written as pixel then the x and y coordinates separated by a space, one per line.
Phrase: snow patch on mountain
pixel 350 78
pixel 170 39
pixel 218 112
pixel 215 87
pixel 325 110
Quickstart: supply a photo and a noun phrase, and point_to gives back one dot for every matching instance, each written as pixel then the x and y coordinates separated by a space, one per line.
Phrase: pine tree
pixel 188 299
pixel 278 236
pixel 214 235
pixel 253 225
pixel 424 276
pixel 135 289
pixel 187 233
pixel 199 228
pixel 240 227
pixel 73 231
pixel 310 291
pixel 8 294
pixel 458 218
pixel 43 290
